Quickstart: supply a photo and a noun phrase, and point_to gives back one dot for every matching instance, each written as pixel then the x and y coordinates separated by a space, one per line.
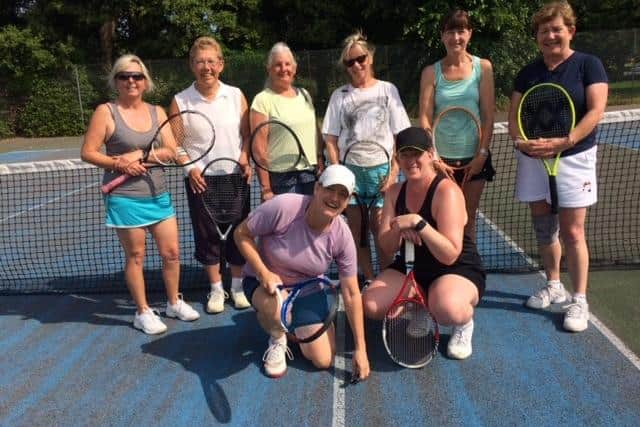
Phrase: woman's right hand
pixel 196 180
pixel 270 282
pixel 266 194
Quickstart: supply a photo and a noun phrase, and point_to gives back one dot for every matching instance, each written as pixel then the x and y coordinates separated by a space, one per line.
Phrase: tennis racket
pixel 456 137
pixel 409 332
pixel 224 198
pixel 309 308
pixel 547 111
pixel 194 137
pixel 370 163
pixel 276 148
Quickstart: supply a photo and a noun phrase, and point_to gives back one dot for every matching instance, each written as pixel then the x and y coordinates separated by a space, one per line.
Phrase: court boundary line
pixel 597 323
pixel 339 364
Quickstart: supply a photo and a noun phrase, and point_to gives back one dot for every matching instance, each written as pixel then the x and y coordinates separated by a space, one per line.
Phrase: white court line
pixel 339 364
pixel 47 202
pixel 608 333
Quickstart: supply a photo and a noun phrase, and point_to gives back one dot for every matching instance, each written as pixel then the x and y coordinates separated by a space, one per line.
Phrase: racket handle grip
pixel 111 185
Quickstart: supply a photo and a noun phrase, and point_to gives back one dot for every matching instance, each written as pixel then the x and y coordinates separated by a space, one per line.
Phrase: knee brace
pixel 546 228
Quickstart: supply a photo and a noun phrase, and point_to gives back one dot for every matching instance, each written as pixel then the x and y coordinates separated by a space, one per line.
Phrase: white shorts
pixel 576 179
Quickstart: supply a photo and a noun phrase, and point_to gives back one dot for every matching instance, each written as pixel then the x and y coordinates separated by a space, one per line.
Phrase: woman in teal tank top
pixel 462 80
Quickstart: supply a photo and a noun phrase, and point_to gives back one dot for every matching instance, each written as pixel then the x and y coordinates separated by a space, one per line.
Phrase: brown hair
pixel 552 10
pixel 455 19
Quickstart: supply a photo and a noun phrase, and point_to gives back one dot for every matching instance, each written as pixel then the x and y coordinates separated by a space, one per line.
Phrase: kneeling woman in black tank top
pixel 428 209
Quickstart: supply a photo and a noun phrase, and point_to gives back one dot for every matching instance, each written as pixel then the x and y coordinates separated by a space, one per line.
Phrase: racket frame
pixel 552 169
pixel 121 179
pixel 457 164
pixel 223 235
pixel 301 155
pixel 418 298
pixel 365 207
pixel 293 291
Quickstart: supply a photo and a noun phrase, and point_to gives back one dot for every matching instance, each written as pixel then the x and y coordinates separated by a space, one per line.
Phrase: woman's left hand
pixel 544 148
pixel 475 166
pixel 360 366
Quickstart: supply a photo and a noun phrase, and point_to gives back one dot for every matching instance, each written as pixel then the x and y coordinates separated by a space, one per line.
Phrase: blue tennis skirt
pixel 134 212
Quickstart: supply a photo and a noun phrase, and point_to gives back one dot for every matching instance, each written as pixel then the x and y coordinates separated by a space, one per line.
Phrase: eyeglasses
pixel 209 62
pixel 123 77
pixel 359 59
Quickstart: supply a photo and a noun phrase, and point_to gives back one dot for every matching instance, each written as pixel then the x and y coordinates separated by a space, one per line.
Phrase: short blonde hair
pixel 278 48
pixel 122 63
pixel 552 10
pixel 203 43
pixel 355 39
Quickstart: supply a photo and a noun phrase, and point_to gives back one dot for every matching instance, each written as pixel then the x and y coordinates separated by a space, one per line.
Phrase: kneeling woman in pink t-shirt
pixel 289 239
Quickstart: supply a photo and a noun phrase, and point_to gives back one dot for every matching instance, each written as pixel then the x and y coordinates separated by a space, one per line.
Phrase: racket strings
pixel 193 133
pixel 546 113
pixel 456 134
pixel 410 334
pixel 276 148
pixel 226 192
pixel 308 312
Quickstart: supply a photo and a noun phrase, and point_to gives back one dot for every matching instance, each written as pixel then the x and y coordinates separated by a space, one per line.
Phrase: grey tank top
pixel 124 140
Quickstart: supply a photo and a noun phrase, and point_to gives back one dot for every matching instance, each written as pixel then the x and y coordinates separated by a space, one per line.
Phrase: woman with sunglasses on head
pixel 227 109
pixel 281 100
pixel 125 126
pixel 365 109
pixel 461 79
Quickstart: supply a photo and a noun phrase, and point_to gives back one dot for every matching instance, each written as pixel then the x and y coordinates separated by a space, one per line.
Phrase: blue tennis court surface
pixel 76 360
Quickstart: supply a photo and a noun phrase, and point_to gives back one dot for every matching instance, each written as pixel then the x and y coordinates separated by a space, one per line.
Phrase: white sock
pixel 555 284
pixel 217 286
pixel 581 298
pixel 236 284
pixel 280 340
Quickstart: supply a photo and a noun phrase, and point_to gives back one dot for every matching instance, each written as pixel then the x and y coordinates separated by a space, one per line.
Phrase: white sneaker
pixel 460 343
pixel 275 359
pixel 215 300
pixel 546 296
pixel 182 310
pixel 149 322
pixel 239 300
pixel 577 317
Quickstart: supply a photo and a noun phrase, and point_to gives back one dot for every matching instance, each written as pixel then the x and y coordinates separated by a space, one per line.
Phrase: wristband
pixel 483 152
pixel 420 225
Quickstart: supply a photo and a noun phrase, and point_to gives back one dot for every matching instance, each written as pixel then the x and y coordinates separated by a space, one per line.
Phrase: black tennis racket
pixel 456 137
pixel 224 198
pixel 370 162
pixel 409 332
pixel 547 111
pixel 309 308
pixel 276 148
pixel 193 136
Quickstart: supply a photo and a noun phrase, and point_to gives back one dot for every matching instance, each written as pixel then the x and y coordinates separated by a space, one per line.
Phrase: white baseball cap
pixel 338 174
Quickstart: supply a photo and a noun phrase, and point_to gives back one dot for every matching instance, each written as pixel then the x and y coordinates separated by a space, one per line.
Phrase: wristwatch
pixel 420 225
pixel 483 152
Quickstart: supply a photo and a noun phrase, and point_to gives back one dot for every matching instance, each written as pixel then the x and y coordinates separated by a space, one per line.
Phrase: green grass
pixel 614 297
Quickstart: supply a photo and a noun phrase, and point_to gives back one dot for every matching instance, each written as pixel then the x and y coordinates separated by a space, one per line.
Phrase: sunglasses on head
pixel 359 59
pixel 126 76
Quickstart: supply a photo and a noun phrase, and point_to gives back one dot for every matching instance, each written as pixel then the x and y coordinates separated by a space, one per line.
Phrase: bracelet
pixel 483 152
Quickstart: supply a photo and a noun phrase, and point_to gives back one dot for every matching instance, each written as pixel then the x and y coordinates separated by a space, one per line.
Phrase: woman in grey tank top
pixel 125 127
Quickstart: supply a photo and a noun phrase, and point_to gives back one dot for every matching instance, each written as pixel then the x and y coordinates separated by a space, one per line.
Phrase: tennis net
pixel 54 240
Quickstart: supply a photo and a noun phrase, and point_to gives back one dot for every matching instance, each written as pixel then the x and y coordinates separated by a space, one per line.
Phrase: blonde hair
pixel 552 10
pixel 203 43
pixel 355 39
pixel 122 63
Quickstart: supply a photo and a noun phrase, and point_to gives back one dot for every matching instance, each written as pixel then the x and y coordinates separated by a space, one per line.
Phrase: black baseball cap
pixel 415 138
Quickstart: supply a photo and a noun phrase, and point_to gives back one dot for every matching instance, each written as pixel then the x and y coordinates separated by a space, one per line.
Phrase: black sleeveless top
pixel 425 261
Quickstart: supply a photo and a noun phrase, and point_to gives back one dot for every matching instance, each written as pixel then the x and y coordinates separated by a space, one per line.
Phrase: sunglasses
pixel 359 59
pixel 123 77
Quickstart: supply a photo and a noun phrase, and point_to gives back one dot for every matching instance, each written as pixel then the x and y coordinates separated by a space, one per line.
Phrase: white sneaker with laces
pixel 576 319
pixel 275 358
pixel 547 296
pixel 215 300
pixel 239 299
pixel 182 310
pixel 460 343
pixel 149 322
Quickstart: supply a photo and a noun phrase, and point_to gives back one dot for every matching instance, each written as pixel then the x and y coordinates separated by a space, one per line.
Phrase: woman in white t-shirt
pixel 365 109
pixel 227 109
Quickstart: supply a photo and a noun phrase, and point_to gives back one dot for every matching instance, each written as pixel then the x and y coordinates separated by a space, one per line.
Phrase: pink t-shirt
pixel 291 249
